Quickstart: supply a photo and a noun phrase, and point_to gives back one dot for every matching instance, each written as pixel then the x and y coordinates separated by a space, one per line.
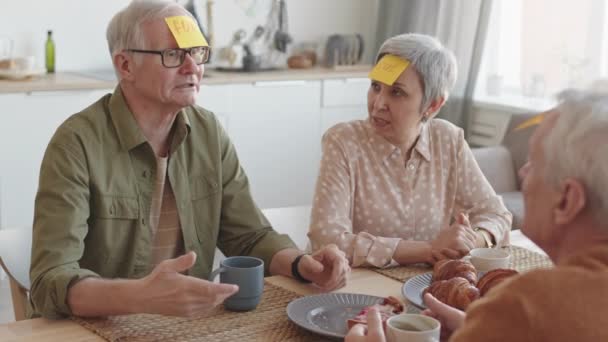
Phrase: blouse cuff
pixel 500 237
pixel 381 252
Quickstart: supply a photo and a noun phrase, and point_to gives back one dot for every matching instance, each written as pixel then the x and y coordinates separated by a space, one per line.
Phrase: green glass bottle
pixel 50 53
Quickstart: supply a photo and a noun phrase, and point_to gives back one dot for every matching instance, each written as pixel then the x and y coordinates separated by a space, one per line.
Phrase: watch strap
pixel 295 272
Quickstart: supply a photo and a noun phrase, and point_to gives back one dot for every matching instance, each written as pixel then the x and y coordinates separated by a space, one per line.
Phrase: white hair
pixel 577 146
pixel 435 64
pixel 125 29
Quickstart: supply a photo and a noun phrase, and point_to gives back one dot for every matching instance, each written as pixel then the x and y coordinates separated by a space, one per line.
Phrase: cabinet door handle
pixel 357 80
pixel 279 83
pixel 55 93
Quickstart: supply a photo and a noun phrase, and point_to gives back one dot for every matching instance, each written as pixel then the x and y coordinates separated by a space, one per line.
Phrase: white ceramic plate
pixel 413 288
pixel 326 314
pixel 18 74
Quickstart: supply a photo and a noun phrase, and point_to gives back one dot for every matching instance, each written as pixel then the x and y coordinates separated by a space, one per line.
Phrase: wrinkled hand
pixel 455 241
pixel 168 292
pixel 372 333
pixel 327 268
pixel 450 318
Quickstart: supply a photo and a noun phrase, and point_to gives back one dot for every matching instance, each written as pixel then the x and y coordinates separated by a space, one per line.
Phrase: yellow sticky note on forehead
pixel 537 119
pixel 186 31
pixel 388 69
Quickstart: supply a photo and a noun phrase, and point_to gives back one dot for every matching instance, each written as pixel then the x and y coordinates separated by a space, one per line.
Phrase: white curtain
pixel 460 25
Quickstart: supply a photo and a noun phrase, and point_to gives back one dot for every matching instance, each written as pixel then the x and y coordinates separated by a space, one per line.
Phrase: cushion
pixel 517 141
pixel 496 164
pixel 514 201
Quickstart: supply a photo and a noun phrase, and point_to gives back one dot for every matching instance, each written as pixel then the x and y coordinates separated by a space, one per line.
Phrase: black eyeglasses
pixel 173 58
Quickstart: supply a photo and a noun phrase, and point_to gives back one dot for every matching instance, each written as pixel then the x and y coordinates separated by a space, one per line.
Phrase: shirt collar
pixel 181 128
pixel 128 131
pixel 423 145
pixel 385 149
pixel 593 257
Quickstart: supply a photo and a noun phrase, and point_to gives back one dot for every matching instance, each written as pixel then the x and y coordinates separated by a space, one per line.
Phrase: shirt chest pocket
pixel 115 207
pixel 113 226
pixel 206 208
pixel 203 187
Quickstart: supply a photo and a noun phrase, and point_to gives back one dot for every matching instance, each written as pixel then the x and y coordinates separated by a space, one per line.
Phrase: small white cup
pixel 24 63
pixel 487 259
pixel 412 328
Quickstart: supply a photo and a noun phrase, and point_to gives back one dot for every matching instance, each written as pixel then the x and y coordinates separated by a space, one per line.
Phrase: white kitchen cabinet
pixel 275 127
pixel 345 92
pixel 28 123
pixel 343 100
pixel 333 116
pixel 216 98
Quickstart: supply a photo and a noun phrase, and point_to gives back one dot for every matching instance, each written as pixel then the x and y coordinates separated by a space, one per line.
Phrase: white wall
pixel 79 26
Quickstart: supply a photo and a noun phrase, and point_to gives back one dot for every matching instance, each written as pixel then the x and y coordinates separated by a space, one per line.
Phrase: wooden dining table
pixel 361 280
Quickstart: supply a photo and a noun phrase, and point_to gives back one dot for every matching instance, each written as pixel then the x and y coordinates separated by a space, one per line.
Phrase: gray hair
pixel 577 146
pixel 435 64
pixel 125 29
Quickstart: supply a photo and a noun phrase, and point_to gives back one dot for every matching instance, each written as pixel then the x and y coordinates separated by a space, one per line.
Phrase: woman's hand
pixel 371 333
pixel 455 241
pixel 450 318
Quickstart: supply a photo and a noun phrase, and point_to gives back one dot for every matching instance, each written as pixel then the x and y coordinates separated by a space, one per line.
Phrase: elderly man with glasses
pixel 138 190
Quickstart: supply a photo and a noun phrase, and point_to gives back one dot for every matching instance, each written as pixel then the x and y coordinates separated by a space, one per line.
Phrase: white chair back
pixel 293 221
pixel 15 258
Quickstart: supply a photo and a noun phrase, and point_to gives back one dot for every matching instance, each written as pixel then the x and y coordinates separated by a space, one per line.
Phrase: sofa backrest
pixel 517 141
pixel 497 166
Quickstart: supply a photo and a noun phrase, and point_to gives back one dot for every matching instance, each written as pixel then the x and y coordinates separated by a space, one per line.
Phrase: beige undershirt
pixel 164 219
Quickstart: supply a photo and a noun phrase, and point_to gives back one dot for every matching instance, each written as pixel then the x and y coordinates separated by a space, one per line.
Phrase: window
pixel 535 48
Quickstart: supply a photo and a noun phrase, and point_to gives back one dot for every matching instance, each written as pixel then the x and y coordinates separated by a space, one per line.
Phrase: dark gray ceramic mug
pixel 246 272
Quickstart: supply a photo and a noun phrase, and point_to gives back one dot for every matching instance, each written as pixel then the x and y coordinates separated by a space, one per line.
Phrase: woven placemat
pixel 521 259
pixel 268 322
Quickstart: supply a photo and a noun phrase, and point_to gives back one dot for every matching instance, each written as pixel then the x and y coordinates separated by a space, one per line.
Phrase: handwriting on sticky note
pixel 186 31
pixel 388 69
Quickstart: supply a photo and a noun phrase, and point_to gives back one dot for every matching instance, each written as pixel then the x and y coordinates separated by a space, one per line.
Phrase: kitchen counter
pixel 53 82
pixel 80 81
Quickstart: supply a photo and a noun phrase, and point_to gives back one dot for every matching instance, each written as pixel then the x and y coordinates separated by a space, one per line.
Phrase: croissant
pixel 456 292
pixel 493 278
pixel 447 269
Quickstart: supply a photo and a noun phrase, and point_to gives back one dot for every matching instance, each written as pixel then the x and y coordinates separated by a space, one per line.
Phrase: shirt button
pixel 411 166
pixel 143 222
pixel 145 174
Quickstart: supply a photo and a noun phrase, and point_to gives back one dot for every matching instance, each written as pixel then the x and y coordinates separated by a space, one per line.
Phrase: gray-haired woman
pixel 402 187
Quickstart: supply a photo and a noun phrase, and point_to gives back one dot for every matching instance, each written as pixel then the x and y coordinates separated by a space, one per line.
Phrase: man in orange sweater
pixel 566 200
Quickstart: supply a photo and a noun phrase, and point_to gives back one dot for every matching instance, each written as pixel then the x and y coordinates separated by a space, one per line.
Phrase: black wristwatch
pixel 295 272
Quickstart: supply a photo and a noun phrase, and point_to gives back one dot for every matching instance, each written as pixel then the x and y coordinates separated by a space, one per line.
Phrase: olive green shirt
pixel 93 202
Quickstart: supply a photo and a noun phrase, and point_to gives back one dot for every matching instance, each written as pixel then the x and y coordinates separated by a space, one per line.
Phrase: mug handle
pixel 216 272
